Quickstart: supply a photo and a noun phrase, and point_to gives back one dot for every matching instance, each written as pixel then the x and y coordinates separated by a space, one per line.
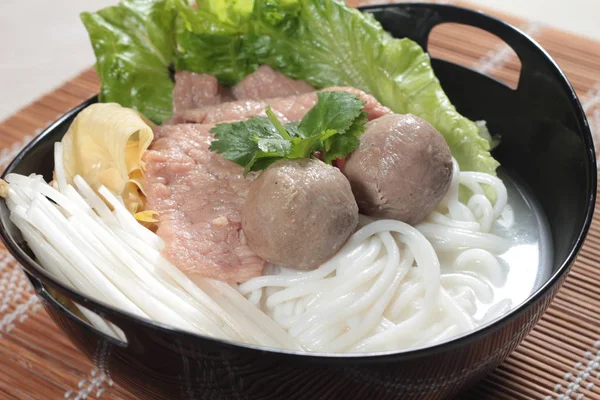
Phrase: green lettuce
pixel 328 44
pixel 230 11
pixel 134 43
pixel 320 41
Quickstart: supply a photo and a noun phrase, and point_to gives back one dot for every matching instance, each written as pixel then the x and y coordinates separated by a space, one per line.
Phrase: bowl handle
pixel 416 21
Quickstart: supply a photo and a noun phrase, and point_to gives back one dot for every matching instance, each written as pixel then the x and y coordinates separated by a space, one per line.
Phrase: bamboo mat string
pixel 560 359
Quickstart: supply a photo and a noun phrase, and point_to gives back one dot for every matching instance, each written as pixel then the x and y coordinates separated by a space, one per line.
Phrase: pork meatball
pixel 401 170
pixel 299 213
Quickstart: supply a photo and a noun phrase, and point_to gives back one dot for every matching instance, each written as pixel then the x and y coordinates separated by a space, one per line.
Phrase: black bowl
pixel 546 141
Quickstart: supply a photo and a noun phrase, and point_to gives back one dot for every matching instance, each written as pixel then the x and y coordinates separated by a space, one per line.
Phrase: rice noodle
pixel 386 289
pixel 392 286
pixel 110 257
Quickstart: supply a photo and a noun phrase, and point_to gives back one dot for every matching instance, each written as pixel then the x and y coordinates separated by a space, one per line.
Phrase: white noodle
pixel 106 257
pixel 385 289
pixel 59 168
pixel 392 286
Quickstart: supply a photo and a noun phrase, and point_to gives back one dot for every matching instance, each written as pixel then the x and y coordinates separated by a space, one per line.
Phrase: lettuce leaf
pixel 211 46
pixel 321 41
pixel 230 46
pixel 230 11
pixel 134 43
pixel 328 44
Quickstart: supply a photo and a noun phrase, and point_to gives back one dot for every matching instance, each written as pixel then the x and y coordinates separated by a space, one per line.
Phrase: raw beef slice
pixel 199 196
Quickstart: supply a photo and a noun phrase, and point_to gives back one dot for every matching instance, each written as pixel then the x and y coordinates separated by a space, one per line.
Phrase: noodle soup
pixel 350 211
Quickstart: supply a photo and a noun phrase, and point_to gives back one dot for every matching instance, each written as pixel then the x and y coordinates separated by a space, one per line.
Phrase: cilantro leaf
pixel 274 145
pixel 242 142
pixel 332 127
pixel 292 128
pixel 277 124
pixel 342 145
pixel 304 148
pixel 334 110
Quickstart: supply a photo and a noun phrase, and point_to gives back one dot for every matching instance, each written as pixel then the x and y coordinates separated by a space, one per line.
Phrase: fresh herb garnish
pixel 332 128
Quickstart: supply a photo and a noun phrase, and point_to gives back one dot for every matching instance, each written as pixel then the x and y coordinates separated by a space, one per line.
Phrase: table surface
pixel 560 359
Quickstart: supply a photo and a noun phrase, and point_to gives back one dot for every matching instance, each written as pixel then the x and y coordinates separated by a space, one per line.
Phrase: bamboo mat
pixel 560 359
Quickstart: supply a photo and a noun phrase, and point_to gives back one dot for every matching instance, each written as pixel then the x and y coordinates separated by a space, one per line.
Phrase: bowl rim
pixel 35 272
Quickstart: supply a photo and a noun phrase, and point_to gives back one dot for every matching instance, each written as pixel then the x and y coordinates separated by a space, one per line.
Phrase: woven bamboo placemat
pixel 560 359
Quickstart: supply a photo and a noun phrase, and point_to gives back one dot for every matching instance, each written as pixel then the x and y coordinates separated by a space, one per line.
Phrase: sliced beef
pixel 199 196
pixel 266 83
pixel 194 90
pixel 373 107
pixel 197 90
pixel 199 98
pixel 291 108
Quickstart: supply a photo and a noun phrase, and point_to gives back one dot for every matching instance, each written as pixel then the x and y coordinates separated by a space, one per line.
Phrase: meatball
pixel 299 213
pixel 401 170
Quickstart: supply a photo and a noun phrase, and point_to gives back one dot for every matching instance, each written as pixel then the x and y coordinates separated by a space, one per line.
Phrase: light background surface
pixel 43 43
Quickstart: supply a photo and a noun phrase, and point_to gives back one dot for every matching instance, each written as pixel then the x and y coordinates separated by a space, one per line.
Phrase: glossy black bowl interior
pixel 546 141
